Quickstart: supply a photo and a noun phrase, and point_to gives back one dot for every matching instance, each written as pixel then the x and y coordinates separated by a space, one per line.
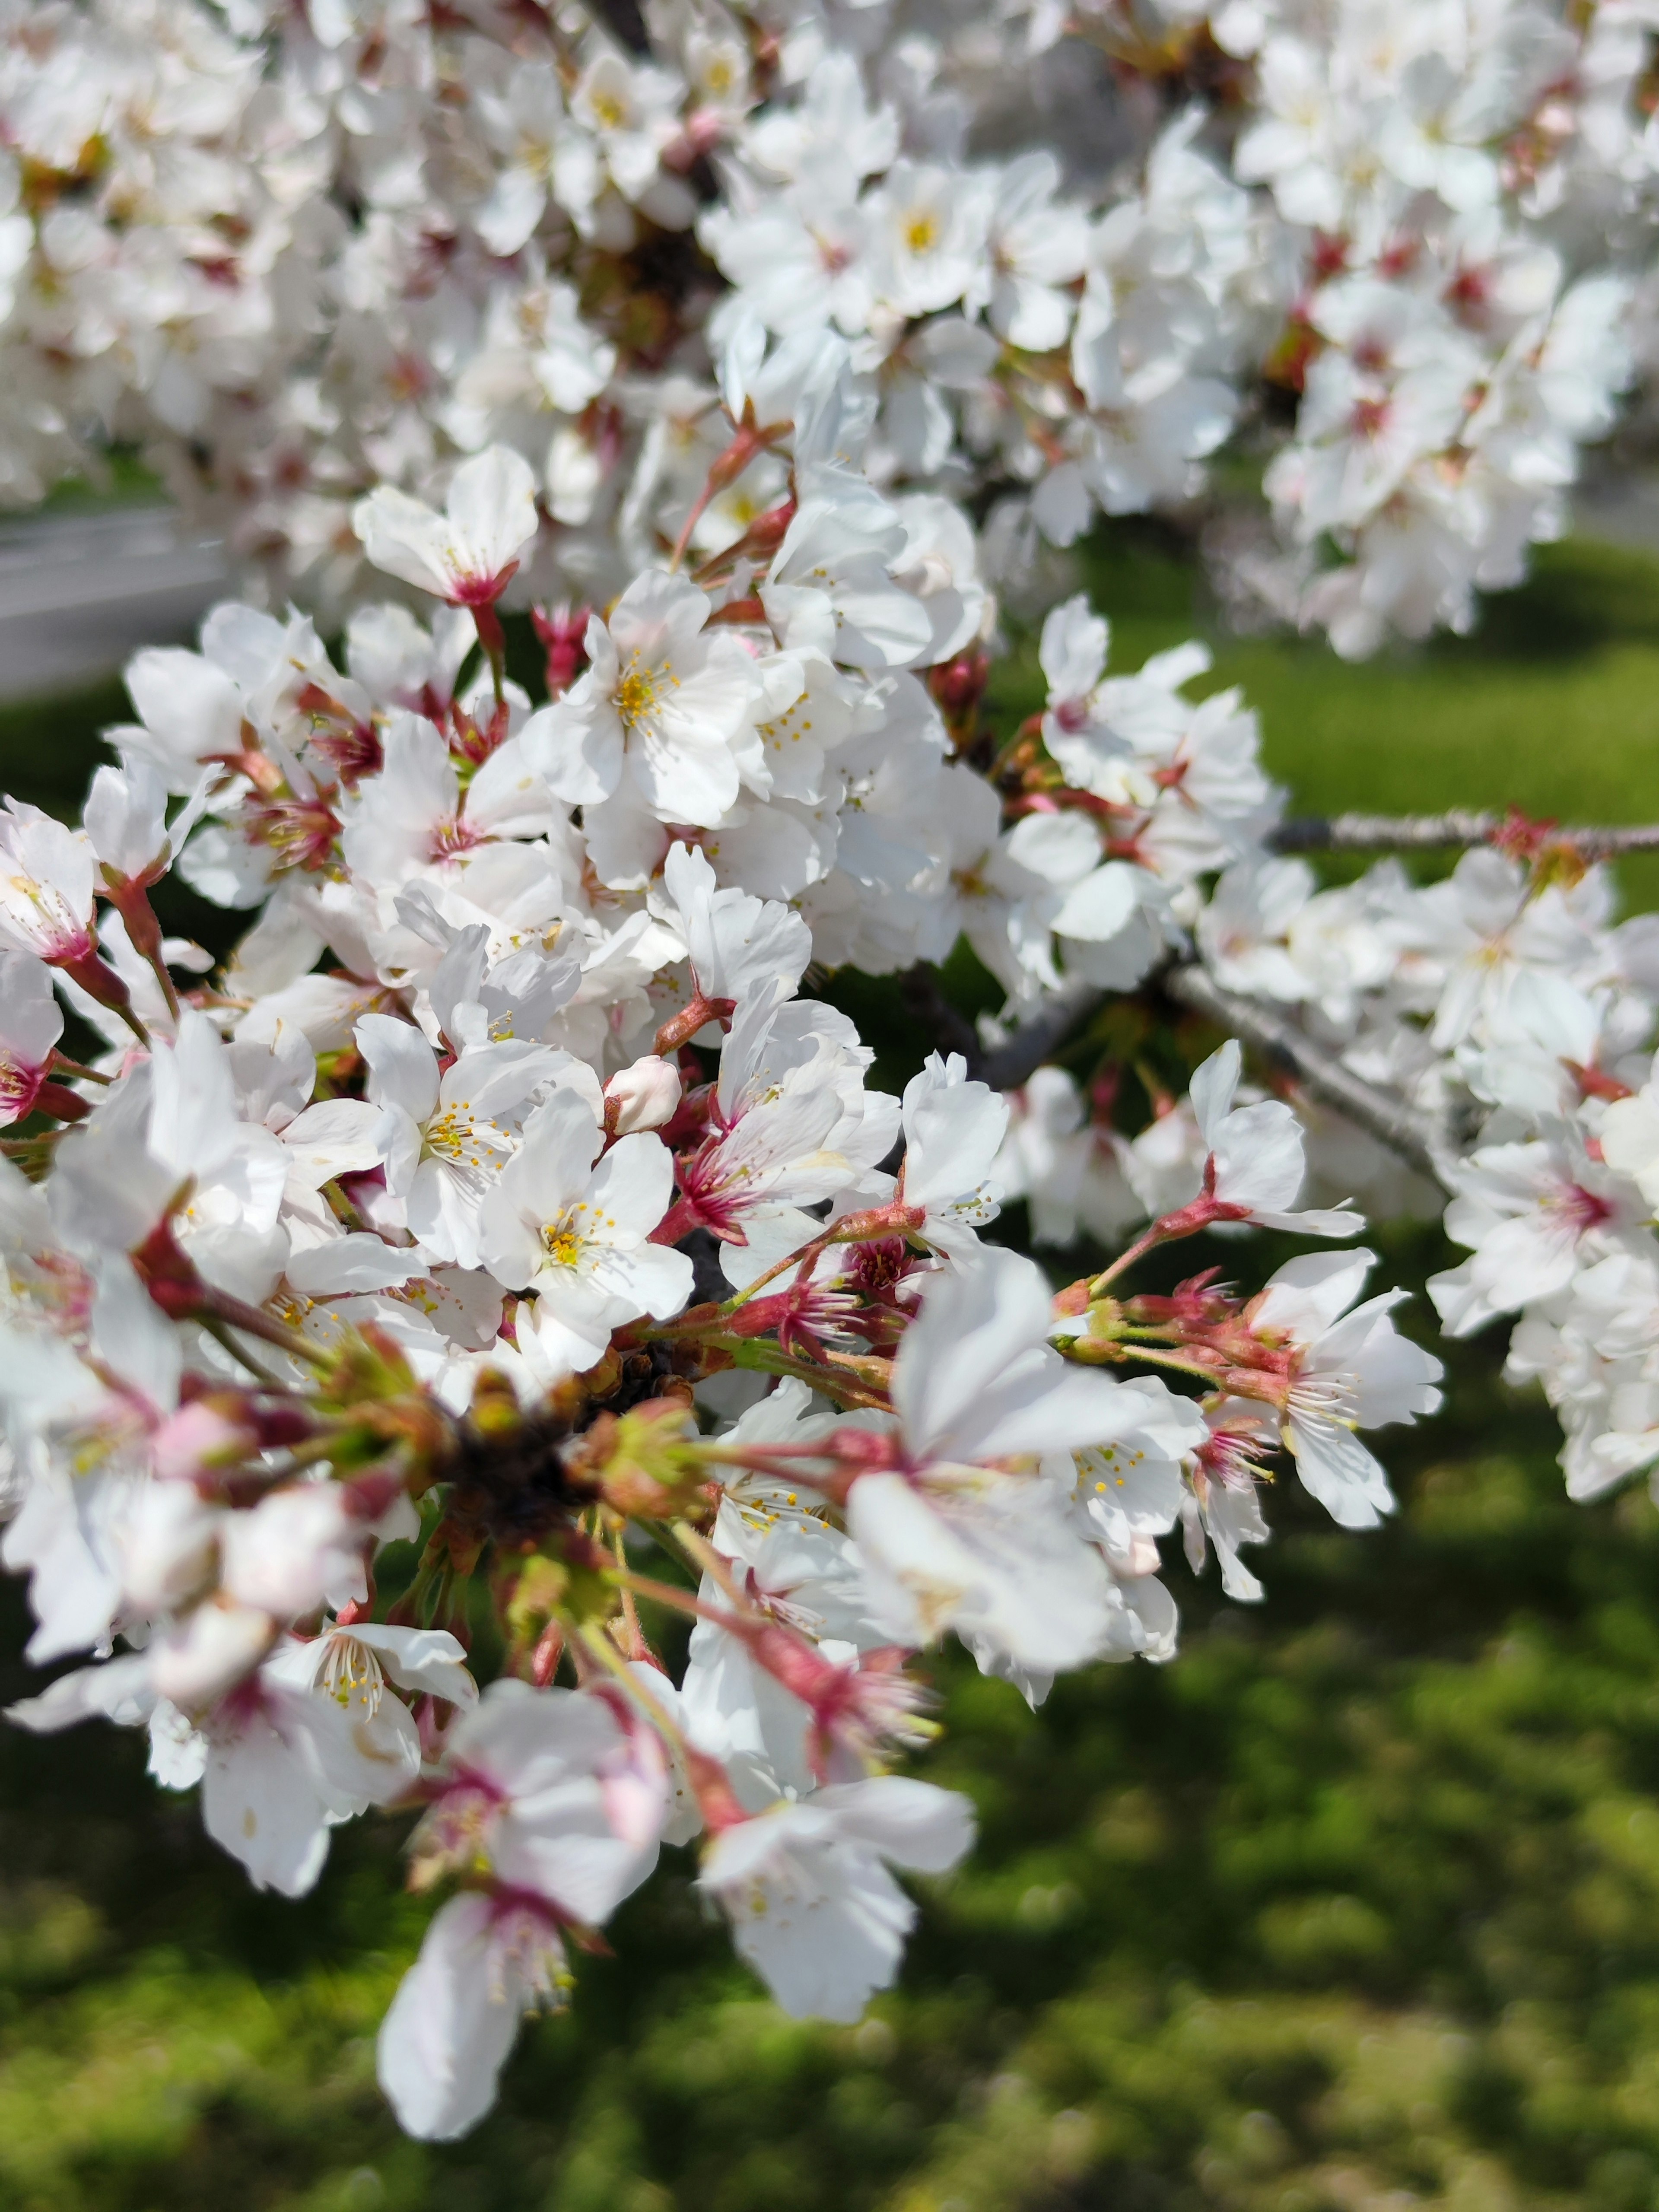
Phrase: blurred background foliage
pixel 1354 1908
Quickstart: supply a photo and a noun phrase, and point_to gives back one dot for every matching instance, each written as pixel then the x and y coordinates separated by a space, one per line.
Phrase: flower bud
pixel 295 1548
pixel 169 1547
pixel 645 1460
pixel 214 1650
pixel 643 1097
pixel 126 820
pixel 200 1438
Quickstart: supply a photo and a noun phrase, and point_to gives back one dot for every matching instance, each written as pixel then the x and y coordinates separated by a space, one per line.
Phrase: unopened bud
pixel 169 1548
pixel 532 1609
pixel 217 1648
pixel 643 1097
pixel 293 1549
pixel 645 1460
pixel 202 1438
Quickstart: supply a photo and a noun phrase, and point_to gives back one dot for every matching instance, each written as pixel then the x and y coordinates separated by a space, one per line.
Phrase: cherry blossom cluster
pixel 295 254
pixel 1505 1021
pixel 1455 336
pixel 487 1353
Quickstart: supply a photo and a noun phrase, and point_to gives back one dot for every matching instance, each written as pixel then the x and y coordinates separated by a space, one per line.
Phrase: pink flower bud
pixel 643 1097
pixel 169 1547
pixel 197 1440
pixel 214 1650
pixel 293 1549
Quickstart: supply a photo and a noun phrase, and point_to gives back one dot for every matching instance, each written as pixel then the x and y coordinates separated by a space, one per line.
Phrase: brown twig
pixel 1460 825
pixel 924 1002
pixel 1413 1135
pixel 1031 1043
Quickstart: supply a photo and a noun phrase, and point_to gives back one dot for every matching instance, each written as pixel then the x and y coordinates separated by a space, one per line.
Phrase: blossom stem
pixel 871 1227
pixel 630 1611
pixel 1114 1353
pixel 100 981
pixel 1155 1236
pixel 668 1594
pixel 679 1029
pixel 235 1313
pixel 1406 1130
pixel 806 1254
pixel 220 1331
pixel 601 1646
pixel 847 1389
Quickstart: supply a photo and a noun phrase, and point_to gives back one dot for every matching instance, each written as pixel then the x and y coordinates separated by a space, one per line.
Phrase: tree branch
pixel 1460 825
pixel 926 1003
pixel 624 21
pixel 1031 1043
pixel 1414 1135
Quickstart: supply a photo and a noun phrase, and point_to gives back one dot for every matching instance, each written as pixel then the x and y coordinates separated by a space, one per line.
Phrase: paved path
pixel 1620 507
pixel 80 592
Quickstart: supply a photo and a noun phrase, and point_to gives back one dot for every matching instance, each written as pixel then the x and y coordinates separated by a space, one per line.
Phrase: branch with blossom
pixel 500 1234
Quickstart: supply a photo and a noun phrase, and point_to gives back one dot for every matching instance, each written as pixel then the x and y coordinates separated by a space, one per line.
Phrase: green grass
pixel 1354 1908
pixel 1552 706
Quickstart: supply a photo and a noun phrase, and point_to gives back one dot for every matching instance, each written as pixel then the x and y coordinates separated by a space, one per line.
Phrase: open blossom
pixel 521 1192
pixel 741 949
pixel 443 1138
pixel 1255 1168
pixel 806 1888
pixel 46 890
pixel 521 1801
pixel 951 1538
pixel 1347 1370
pixel 833 588
pixel 468 554
pixel 953 1133
pixel 662 698
pixel 577 1234
pixel 284 1757
pixel 31 1022
pixel 1536 1212
pixel 792 1124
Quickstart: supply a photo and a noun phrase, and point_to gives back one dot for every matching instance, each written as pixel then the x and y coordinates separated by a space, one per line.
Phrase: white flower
pixel 832 589
pixel 949 1539
pixel 792 1123
pixel 743 949
pixel 292 1550
pixel 169 1135
pixel 1037 249
pixel 664 698
pixel 45 886
pixel 31 1022
pixel 813 1906
pixel 487 1960
pixel 521 1793
pixel 577 1234
pixel 953 1132
pixel 285 1760
pixel 1534 1213
pixel 929 229
pixel 444 1139
pixel 1255 1164
pixel 468 554
pixel 1630 1140
pixel 1348 1371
